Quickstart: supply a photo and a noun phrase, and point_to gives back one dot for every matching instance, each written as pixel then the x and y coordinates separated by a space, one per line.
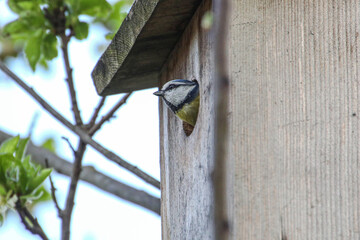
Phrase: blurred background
pixel 133 134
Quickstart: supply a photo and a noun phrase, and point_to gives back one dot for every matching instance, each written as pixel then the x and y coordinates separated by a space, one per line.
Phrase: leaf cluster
pixel 20 179
pixel 115 17
pixel 40 23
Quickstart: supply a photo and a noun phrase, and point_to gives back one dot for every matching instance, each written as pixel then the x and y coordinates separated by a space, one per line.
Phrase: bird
pixel 183 98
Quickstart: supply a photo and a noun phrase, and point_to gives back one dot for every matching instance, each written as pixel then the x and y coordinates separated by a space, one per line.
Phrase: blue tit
pixel 182 97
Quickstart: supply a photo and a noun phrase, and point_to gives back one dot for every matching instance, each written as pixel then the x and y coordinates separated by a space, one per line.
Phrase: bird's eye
pixel 170 87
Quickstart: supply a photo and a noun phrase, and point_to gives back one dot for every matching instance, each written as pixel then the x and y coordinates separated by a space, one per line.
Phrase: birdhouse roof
pixel 135 56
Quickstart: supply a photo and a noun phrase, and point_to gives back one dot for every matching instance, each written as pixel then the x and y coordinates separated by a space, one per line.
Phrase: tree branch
pixel 92 176
pixel 222 225
pixel 53 190
pixel 83 135
pixel 33 123
pixel 96 112
pixel 105 118
pixel 29 221
pixel 69 79
pixel 69 205
pixel 69 143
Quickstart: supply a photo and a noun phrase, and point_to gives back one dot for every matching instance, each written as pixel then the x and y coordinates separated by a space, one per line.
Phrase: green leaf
pixel 9 145
pixel 115 17
pixel 9 194
pixel 34 21
pixel 37 169
pixel 6 160
pixel 32 196
pixel 2 190
pixel 14 6
pixel 118 14
pixel 71 20
pixel 36 182
pixel 26 162
pixel 50 145
pixel 110 36
pixel 23 179
pixel 81 30
pixel 28 5
pixel 12 177
pixel 17 34
pixel 14 27
pixel 40 195
pixel 12 173
pixel 19 6
pixel 20 151
pixel 95 8
pixel 24 27
pixel 114 21
pixel 18 175
pixel 45 195
pixel 49 46
pixel 32 49
pixel 43 62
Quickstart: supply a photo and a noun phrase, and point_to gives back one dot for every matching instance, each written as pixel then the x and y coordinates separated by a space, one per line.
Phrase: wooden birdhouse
pixel 294 130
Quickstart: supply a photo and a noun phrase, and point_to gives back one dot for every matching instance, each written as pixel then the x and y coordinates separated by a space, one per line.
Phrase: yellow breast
pixel 189 112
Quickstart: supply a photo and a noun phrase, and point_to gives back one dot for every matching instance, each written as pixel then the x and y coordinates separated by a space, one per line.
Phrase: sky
pixel 133 135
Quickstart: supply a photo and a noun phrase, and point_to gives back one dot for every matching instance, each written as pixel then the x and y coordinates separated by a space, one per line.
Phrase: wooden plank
pixel 187 162
pixel 142 45
pixel 295 119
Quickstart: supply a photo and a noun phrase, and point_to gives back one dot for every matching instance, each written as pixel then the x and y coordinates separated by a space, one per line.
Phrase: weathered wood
pixel 139 49
pixel 295 119
pixel 187 162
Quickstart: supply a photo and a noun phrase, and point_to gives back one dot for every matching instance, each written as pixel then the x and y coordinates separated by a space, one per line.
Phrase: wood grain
pixel 140 48
pixel 295 119
pixel 187 161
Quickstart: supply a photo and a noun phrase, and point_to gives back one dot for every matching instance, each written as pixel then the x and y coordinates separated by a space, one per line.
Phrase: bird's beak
pixel 159 93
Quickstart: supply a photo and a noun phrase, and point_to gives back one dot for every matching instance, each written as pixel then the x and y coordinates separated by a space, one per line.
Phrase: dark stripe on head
pixel 182 81
pixel 171 106
pixel 192 95
pixel 177 83
pixel 189 98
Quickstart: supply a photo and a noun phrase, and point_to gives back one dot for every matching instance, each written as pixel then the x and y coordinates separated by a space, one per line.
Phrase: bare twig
pixel 70 145
pixel 33 123
pixel 69 79
pixel 90 175
pixel 69 205
pixel 105 118
pixel 77 130
pixel 29 221
pixel 222 226
pixel 79 153
pixel 96 112
pixel 53 190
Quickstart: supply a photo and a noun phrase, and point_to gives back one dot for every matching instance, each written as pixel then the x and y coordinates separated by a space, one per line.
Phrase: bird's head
pixel 178 92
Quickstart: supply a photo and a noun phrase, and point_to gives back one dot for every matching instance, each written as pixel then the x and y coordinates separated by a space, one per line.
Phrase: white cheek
pixel 177 96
